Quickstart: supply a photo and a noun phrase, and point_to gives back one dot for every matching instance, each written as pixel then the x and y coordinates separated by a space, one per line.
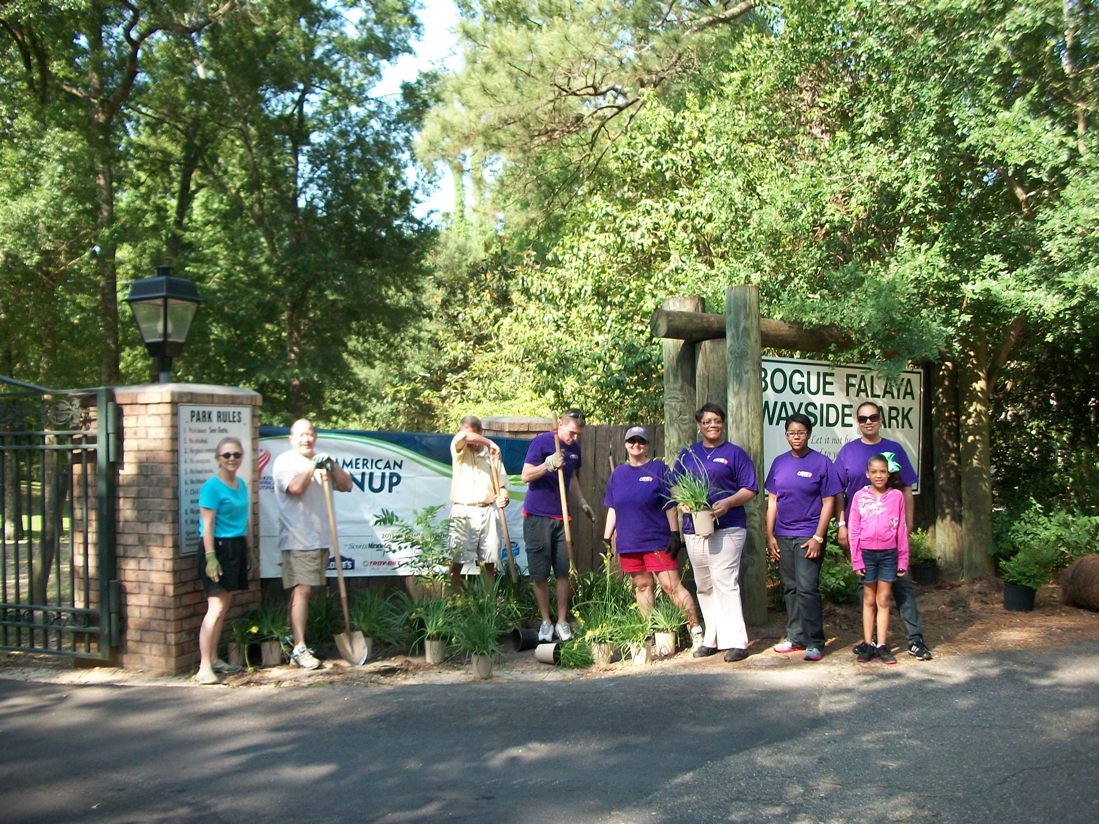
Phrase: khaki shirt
pixel 471 476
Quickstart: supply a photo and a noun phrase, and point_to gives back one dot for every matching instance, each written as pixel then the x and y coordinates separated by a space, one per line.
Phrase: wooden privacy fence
pixel 596 444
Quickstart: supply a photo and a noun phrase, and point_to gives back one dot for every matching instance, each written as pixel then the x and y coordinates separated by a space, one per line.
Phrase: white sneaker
pixel 545 632
pixel 303 657
pixel 564 631
pixel 207 676
pixel 696 637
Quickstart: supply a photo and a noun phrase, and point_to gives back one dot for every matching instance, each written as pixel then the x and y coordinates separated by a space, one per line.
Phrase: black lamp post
pixel 164 307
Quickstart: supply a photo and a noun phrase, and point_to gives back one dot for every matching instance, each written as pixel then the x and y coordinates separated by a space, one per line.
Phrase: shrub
pixel 838 582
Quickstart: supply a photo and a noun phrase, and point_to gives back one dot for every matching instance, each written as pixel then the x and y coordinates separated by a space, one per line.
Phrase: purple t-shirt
pixel 639 497
pixel 544 495
pixel 729 469
pixel 851 466
pixel 799 484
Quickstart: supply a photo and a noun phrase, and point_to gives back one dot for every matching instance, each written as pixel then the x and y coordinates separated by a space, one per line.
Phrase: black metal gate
pixel 58 587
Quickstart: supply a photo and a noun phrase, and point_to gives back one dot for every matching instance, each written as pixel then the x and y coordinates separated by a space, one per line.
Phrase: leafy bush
pixel 838 582
pixel 1040 542
pixel 427 538
pixel 325 618
pixel 666 615
pixel 920 549
pixel 380 616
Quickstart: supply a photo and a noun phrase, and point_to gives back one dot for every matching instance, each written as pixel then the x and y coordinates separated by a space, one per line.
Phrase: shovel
pixel 564 503
pixel 352 645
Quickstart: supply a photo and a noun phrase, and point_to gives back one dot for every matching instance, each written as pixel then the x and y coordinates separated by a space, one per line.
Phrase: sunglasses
pixel 869 418
pixel 576 415
pixel 232 456
pixel 636 441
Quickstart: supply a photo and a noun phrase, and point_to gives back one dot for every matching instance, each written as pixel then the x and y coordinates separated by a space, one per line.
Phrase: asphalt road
pixel 995 738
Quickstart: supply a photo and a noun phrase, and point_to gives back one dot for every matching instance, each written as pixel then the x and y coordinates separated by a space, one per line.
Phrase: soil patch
pixel 959 618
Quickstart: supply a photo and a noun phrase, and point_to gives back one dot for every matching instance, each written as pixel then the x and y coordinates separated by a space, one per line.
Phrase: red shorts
pixel 657 561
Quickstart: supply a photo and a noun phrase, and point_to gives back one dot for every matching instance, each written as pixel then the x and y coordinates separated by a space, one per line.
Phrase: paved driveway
pixel 1006 737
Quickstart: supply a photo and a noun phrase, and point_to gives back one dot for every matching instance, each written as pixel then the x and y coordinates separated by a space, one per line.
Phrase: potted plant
pixel 244 635
pixel 479 620
pixel 1024 573
pixel 634 631
pixel 691 493
pixel 424 546
pixel 667 619
pixel 923 566
pixel 274 627
pixel 377 617
pixel 433 615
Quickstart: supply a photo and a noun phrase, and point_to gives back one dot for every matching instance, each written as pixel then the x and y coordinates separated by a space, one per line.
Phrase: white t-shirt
pixel 303 519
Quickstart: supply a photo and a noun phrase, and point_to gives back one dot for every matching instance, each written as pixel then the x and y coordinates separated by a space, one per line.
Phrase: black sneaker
pixel 858 647
pixel 866 653
pixel 703 651
pixel 918 650
pixel 886 655
pixel 736 654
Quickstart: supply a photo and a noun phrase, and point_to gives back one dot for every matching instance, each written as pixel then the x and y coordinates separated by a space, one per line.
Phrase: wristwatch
pixel 818 539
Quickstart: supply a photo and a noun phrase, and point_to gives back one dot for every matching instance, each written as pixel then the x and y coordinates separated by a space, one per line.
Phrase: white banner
pixel 827 394
pixel 398 473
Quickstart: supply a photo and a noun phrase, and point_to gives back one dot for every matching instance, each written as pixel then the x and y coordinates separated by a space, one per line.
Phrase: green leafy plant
pixel 380 616
pixel 387 517
pixel 433 620
pixel 426 540
pixel 920 548
pixel 666 616
pixel 575 654
pixel 325 618
pixel 838 582
pixel 691 491
pixel 1030 567
pixel 272 620
pixel 480 617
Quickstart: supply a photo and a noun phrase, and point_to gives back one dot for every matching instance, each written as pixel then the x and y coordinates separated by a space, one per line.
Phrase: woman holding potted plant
pixel 223 524
pixel 641 512
pixel 801 488
pixel 727 478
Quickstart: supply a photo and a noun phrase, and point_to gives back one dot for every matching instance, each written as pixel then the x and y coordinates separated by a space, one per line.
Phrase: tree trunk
pixel 976 474
pixel 679 384
pixel 947 532
pixel 744 365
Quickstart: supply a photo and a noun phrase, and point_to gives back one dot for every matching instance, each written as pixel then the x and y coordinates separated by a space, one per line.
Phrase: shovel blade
pixel 353 648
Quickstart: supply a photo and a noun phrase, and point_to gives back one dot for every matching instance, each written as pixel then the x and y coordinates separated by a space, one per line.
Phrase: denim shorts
pixel 881 565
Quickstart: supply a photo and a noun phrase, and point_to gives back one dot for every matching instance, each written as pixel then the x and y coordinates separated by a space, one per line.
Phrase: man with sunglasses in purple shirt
pixel 851 465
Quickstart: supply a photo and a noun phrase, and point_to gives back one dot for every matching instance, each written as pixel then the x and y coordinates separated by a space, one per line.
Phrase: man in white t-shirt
pixel 304 536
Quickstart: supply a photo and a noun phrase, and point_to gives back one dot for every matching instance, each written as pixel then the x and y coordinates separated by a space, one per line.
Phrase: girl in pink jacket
pixel 879 550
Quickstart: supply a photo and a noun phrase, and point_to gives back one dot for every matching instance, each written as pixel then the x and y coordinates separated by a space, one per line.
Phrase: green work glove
pixel 213 568
pixel 322 460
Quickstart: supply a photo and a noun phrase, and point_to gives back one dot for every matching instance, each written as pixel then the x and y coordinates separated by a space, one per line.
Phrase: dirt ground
pixel 958 619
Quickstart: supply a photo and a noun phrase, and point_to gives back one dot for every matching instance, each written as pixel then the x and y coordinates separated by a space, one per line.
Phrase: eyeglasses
pixel 636 441
pixel 711 422
pixel 232 456
pixel 790 433
pixel 869 418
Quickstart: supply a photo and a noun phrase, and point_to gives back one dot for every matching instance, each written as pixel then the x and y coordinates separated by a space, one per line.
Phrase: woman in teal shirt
pixel 223 530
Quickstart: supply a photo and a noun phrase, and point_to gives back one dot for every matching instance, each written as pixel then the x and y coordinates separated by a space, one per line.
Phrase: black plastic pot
pixel 925 573
pixel 523 639
pixel 1018 598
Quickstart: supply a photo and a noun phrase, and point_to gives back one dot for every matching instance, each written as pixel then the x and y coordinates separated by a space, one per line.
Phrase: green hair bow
pixel 891 461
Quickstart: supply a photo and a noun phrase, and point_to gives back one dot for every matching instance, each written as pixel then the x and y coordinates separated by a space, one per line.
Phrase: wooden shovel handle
pixel 336 551
pixel 564 501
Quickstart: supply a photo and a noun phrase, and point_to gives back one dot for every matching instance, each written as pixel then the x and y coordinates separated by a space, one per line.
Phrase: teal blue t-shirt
pixel 230 506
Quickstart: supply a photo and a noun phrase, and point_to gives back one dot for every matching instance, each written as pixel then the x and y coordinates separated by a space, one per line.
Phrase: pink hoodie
pixel 877 521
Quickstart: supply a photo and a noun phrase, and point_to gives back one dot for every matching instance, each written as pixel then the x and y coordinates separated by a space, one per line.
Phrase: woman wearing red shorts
pixel 642 514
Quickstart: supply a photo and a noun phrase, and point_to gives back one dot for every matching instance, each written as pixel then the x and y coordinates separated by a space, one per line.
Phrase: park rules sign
pixel 827 394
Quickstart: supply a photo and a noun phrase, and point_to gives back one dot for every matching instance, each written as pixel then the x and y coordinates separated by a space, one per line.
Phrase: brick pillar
pixel 162 598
